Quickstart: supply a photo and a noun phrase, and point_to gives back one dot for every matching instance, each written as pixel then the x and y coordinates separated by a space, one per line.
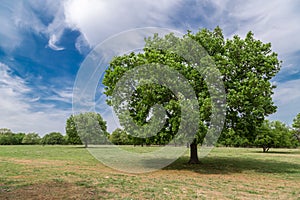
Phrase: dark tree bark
pixel 194 153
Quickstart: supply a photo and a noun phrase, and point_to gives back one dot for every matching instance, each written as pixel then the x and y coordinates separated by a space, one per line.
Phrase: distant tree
pixel 6 136
pixel 31 138
pixel 66 140
pixel 19 137
pixel 4 131
pixel 91 128
pixel 7 139
pixel 119 137
pixel 285 135
pixel 265 136
pixel 273 134
pixel 230 139
pixel 72 136
pixel 296 126
pixel 53 138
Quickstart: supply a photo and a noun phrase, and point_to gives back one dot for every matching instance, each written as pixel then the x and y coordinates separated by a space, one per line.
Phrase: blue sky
pixel 43 43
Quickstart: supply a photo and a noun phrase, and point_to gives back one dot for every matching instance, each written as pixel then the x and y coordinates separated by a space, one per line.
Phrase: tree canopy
pixel 71 132
pixel 246 66
pixel 53 138
pixel 274 134
pixel 89 127
pixel 31 138
pixel 296 126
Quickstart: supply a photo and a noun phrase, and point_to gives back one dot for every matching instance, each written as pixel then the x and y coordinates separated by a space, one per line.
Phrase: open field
pixel 70 172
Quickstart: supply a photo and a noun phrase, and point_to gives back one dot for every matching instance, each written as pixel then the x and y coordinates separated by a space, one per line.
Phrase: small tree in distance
pixel 274 134
pixel 296 126
pixel 119 137
pixel 72 136
pixel 53 138
pixel 91 128
pixel 31 138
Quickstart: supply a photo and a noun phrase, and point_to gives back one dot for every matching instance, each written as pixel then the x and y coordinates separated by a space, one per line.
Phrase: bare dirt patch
pixel 51 190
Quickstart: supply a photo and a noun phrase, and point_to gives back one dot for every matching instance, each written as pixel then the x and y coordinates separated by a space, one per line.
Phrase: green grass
pixel 71 172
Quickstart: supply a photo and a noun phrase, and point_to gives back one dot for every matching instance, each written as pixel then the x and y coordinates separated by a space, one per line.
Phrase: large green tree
pixel 246 66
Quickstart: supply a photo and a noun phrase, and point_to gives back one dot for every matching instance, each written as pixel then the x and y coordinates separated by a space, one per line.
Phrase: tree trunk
pixel 265 149
pixel 194 153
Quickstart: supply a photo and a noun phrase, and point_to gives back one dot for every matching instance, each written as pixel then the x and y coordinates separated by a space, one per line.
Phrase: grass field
pixel 70 172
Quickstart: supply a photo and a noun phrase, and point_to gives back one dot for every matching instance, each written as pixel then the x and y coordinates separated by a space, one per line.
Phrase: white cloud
pixel 65 95
pixel 52 43
pixel 287 97
pixel 97 20
pixel 17 109
pixel 276 22
pixel 17 17
pixel 10 36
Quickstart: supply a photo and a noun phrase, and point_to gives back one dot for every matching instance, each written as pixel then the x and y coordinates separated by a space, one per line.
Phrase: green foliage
pixel 296 122
pixel 119 137
pixel 31 138
pixel 6 137
pixel 296 126
pixel 53 138
pixel 19 137
pixel 9 138
pixel 246 65
pixel 230 139
pixel 91 128
pixel 274 134
pixel 72 136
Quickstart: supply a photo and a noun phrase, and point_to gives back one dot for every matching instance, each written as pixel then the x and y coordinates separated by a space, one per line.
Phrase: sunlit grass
pixel 62 172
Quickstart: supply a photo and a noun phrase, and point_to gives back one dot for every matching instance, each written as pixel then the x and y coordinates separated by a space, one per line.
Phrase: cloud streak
pixel 18 108
pixel 287 97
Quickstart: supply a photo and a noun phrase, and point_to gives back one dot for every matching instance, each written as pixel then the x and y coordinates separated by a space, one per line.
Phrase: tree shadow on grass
pixel 277 152
pixel 227 165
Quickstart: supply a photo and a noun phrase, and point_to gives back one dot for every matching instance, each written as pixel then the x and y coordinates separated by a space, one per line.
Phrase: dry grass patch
pixel 227 173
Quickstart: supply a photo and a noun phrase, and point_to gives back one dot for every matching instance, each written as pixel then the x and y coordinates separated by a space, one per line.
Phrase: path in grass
pixel 68 172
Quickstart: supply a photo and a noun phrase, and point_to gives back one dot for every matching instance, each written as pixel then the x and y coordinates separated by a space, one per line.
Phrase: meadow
pixel 71 172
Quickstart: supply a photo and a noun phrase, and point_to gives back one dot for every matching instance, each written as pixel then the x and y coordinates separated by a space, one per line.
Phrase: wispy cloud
pixel 287 97
pixel 52 43
pixel 18 108
pixel 62 95
pixel 276 22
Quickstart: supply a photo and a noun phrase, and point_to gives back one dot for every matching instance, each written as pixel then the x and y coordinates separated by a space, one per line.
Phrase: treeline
pixel 7 137
pixel 271 134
